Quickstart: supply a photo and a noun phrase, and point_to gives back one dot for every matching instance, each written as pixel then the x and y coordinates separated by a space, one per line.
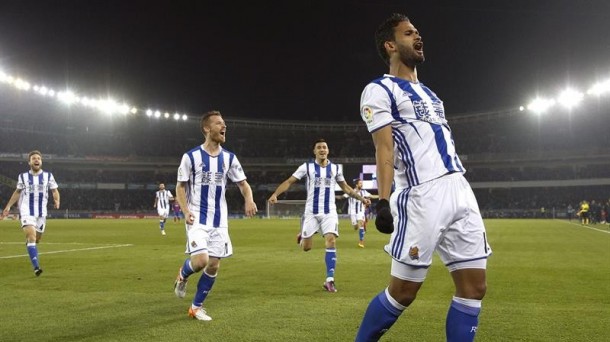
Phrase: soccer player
pixel 356 210
pixel 202 180
pixel 432 207
pixel 162 203
pixel 176 208
pixel 32 192
pixel 320 210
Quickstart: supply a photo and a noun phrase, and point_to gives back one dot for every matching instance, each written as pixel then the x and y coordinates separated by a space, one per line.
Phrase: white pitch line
pixel 582 226
pixel 68 250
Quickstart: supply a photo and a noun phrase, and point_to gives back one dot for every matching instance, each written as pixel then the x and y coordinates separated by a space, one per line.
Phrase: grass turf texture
pixel 112 280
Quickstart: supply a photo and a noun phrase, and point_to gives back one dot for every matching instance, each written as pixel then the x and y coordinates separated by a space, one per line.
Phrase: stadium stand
pixel 516 162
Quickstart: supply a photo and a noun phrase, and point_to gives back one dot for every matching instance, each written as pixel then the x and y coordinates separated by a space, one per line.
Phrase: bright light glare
pixel 569 98
pixel 600 88
pixel 157 114
pixel 149 112
pixel 540 105
pixel 184 117
pixel 67 97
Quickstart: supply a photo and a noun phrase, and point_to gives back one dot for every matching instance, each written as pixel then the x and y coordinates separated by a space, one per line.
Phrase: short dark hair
pixel 205 118
pixel 33 153
pixel 385 33
pixel 320 140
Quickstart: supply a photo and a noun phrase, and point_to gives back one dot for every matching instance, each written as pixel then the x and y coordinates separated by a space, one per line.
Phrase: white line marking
pixel 68 250
pixel 583 226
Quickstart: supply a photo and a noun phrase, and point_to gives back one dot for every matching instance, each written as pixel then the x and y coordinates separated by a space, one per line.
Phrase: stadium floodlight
pixel 124 109
pixel 184 117
pixel 149 112
pixel 540 105
pixel 22 84
pixel 166 115
pixel 521 108
pixel 157 114
pixel 600 88
pixel 134 110
pixel 570 98
pixel 176 116
pixel 67 97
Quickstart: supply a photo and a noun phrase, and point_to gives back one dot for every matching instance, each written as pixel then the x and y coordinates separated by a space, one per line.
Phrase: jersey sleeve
pixel 52 183
pixel 20 182
pixel 184 169
pixel 375 107
pixel 236 172
pixel 300 172
pixel 340 178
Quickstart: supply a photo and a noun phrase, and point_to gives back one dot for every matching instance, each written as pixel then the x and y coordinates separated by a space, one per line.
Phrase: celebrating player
pixel 33 194
pixel 320 209
pixel 203 174
pixel 432 207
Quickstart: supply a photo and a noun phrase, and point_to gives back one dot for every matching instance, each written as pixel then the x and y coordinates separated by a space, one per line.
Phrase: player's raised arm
pixel 353 193
pixel 284 186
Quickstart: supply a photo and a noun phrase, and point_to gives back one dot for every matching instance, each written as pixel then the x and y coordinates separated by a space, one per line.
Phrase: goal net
pixel 286 209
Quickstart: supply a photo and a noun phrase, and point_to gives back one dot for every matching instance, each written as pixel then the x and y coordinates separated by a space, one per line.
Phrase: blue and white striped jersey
pixel 163 197
pixel 321 184
pixel 423 144
pixel 34 194
pixel 207 179
pixel 354 205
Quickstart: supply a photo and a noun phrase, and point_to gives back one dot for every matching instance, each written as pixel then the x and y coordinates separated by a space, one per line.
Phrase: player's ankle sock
pixel 462 319
pixel 331 261
pixel 204 286
pixel 380 315
pixel 361 233
pixel 161 225
pixel 33 253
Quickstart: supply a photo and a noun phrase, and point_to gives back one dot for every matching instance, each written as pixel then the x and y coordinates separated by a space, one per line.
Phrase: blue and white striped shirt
pixel 321 184
pixel 207 180
pixel 34 194
pixel 423 144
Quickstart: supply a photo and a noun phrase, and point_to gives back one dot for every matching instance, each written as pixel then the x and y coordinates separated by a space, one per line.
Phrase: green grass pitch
pixel 112 280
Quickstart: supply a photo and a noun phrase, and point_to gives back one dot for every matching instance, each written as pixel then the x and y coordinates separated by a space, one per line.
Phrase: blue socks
pixel 331 262
pixel 187 270
pixel 361 233
pixel 379 317
pixel 33 252
pixel 462 320
pixel 204 286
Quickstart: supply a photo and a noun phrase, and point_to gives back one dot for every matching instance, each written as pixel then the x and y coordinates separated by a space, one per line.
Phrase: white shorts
pixel 357 217
pixel 440 215
pixel 39 223
pixel 163 212
pixel 206 239
pixel 319 223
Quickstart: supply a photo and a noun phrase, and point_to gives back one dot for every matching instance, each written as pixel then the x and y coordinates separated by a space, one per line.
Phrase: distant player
pixel 162 203
pixel 202 179
pixel 176 210
pixel 33 193
pixel 320 210
pixel 357 210
pixel 583 213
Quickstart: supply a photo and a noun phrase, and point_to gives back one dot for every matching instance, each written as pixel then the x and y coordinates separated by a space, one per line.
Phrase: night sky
pixel 301 60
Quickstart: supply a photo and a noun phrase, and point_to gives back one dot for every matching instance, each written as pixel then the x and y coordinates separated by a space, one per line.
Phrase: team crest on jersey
pixel 367 114
pixel 194 244
pixel 414 253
